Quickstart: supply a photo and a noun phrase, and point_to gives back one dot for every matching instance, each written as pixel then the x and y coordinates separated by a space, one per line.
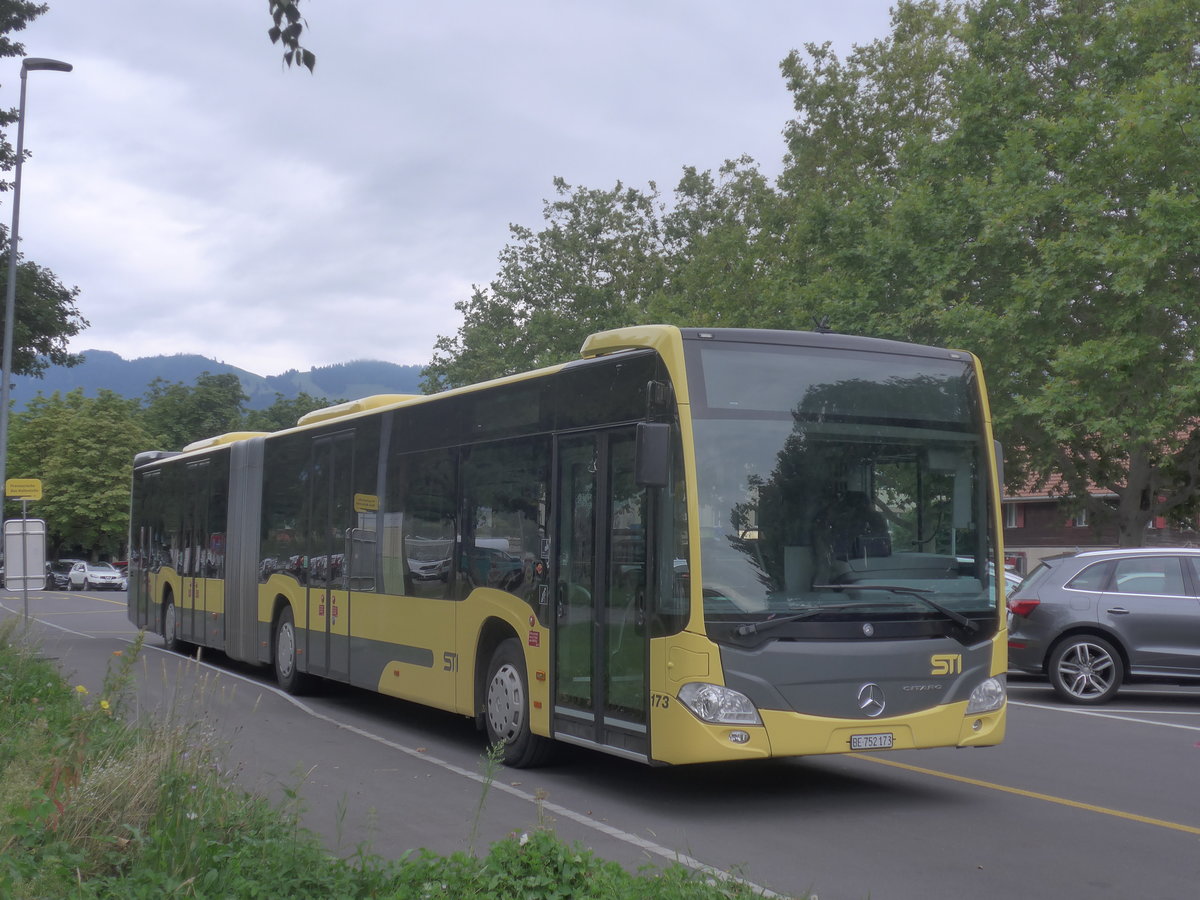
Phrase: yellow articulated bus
pixel 688 545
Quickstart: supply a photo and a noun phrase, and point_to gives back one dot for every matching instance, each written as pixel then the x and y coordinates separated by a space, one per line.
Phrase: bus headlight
pixel 718 705
pixel 987 696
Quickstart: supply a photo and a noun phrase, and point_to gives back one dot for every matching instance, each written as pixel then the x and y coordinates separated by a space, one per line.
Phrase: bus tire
pixel 287 665
pixel 506 709
pixel 170 626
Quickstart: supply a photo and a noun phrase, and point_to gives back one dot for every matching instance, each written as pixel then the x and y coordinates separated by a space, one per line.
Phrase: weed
pixel 94 807
pixel 491 763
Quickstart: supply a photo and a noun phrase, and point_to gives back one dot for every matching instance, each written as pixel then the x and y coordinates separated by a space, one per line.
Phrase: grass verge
pixel 93 805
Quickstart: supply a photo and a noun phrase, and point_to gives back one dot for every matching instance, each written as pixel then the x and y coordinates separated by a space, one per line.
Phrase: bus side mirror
pixel 652 454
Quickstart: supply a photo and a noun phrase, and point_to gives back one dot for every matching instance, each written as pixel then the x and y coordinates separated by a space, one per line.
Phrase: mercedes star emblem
pixel 871 700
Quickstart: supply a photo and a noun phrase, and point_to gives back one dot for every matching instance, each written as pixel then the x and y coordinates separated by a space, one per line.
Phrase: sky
pixel 204 199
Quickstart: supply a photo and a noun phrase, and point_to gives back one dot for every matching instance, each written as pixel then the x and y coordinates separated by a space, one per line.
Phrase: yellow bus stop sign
pixel 23 489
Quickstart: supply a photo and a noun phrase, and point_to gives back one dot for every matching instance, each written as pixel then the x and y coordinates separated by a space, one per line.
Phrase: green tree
pixel 1018 177
pixel 593 267
pixel 284 412
pixel 82 449
pixel 861 123
pixel 15 15
pixel 723 237
pixel 176 414
pixel 47 317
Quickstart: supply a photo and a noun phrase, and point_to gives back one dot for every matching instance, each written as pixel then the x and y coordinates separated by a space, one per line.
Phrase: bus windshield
pixel 840 486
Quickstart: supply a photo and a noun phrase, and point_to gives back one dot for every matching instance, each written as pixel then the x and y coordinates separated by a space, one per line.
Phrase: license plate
pixel 871 741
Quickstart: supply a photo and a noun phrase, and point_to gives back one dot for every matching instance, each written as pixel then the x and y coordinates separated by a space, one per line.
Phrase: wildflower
pixel 192 815
pixel 104 705
pixel 524 839
pixel 80 689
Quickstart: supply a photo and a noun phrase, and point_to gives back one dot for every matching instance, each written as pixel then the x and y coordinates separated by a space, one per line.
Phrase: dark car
pixel 58 574
pixel 1093 621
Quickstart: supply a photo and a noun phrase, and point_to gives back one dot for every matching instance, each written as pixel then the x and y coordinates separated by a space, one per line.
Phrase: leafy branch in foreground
pixel 289 26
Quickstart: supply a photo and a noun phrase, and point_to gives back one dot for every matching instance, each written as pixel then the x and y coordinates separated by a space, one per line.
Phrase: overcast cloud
pixel 207 201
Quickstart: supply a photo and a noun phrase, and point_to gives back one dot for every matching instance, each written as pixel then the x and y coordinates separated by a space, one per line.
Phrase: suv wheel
pixel 1086 669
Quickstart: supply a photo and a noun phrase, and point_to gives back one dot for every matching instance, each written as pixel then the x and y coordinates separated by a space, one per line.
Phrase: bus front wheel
pixel 287 671
pixel 507 709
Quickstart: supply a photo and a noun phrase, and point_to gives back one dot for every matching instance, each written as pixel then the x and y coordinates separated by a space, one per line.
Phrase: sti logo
pixel 946 664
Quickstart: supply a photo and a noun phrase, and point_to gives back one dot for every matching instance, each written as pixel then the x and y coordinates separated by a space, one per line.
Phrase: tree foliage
pixel 285 412
pixel 82 449
pixel 15 15
pixel 177 414
pixel 288 28
pixel 593 267
pixel 47 317
pixel 1016 177
pixel 723 244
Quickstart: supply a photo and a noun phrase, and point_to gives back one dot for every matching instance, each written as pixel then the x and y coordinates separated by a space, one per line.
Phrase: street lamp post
pixel 29 64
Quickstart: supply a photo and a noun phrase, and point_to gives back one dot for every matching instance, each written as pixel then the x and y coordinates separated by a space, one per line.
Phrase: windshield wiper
pixel 916 593
pixel 755 627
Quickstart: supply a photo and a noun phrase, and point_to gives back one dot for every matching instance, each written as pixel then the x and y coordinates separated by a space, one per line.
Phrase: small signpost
pixel 24 489
pixel 24 541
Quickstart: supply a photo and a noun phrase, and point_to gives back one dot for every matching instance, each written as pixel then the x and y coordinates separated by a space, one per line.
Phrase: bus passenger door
pixel 600 643
pixel 192 609
pixel 139 577
pixel 331 518
pixel 147 515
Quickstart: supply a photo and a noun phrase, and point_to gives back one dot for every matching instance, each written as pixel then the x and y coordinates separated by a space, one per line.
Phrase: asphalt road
pixel 1077 803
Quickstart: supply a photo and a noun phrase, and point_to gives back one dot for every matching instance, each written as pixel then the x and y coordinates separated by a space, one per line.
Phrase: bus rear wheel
pixel 287 671
pixel 506 712
pixel 170 626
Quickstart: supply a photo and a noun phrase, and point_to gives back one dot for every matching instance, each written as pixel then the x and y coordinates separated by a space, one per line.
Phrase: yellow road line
pixel 83 596
pixel 120 603
pixel 79 612
pixel 1034 795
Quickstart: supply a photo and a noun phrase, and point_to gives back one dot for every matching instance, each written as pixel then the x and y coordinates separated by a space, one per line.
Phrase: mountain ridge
pixel 131 378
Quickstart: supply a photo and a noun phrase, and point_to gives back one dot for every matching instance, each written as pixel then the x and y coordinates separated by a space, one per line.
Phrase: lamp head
pixel 41 64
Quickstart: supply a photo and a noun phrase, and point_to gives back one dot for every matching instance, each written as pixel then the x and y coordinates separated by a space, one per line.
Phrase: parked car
pixel 1012 581
pixel 1093 621
pixel 58 574
pixel 88 576
pixel 1011 578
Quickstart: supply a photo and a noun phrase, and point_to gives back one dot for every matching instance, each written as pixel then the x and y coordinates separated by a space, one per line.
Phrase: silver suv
pixel 1092 621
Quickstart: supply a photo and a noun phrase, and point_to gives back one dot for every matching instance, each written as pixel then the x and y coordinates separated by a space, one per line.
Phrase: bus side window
pixel 420 524
pixel 505 489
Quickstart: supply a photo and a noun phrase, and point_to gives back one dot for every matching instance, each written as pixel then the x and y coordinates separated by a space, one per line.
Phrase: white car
pixel 89 576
